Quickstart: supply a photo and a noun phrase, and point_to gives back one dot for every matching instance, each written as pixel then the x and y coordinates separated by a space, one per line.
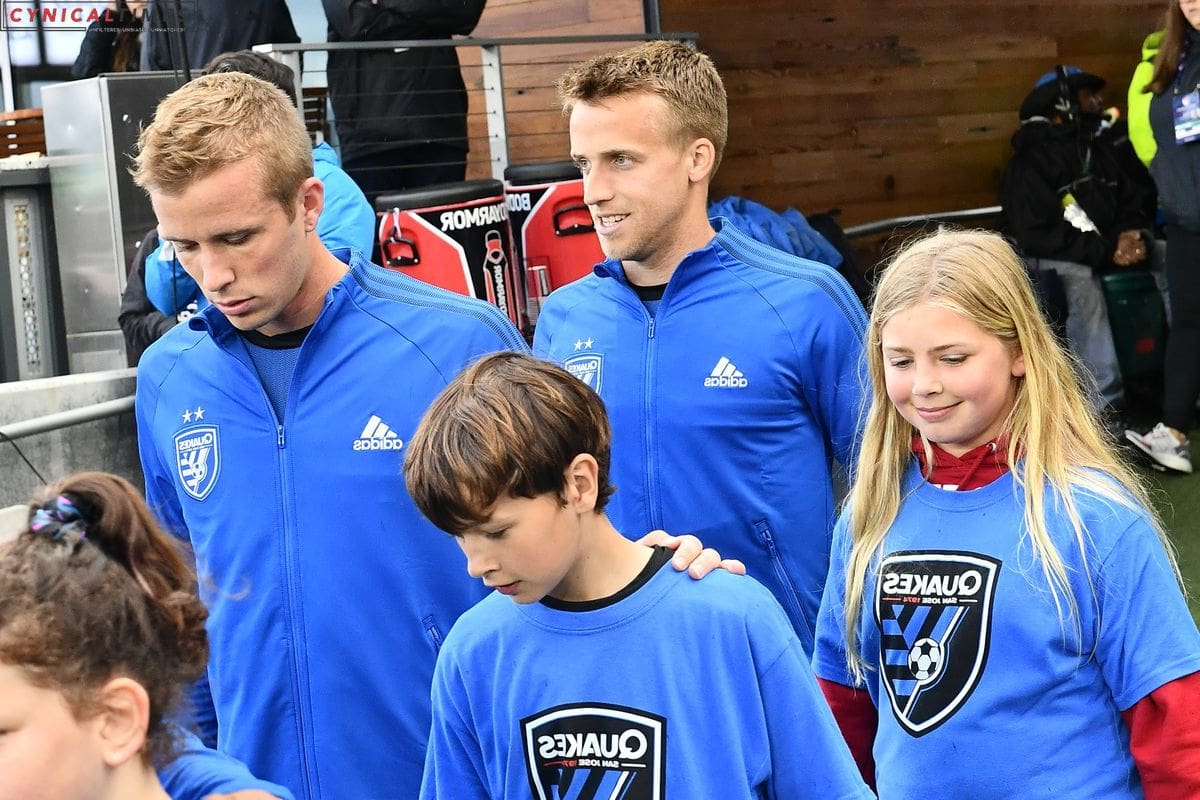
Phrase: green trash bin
pixel 1138 320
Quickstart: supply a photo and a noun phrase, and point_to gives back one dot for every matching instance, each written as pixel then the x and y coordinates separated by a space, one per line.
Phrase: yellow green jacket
pixel 1139 101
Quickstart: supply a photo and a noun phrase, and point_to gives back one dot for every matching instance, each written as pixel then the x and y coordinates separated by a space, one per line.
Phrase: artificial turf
pixel 1178 500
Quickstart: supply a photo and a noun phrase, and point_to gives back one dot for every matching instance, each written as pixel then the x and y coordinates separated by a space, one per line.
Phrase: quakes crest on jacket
pixel 198 459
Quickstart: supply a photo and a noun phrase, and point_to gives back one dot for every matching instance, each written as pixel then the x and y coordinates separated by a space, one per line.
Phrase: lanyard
pixel 1183 57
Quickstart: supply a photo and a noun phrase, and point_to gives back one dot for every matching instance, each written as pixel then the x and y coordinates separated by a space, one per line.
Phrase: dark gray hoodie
pixel 1176 168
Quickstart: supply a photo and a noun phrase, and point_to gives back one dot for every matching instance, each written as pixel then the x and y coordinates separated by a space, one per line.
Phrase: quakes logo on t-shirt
pixel 595 751
pixel 934 612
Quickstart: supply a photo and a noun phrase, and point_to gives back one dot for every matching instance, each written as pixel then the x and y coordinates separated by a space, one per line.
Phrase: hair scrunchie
pixel 57 517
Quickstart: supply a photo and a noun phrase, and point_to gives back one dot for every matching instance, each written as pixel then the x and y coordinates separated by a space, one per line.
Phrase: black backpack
pixel 825 223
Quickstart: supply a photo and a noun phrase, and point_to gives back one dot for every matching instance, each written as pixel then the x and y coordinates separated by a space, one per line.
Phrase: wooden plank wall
pixel 885 108
pixel 536 128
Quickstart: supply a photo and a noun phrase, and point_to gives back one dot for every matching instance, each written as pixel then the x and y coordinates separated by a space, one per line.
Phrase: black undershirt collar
pixel 649 293
pixel 283 341
pixel 659 556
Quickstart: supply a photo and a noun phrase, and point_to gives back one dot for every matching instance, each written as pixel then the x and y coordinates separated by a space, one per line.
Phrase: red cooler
pixel 456 236
pixel 554 240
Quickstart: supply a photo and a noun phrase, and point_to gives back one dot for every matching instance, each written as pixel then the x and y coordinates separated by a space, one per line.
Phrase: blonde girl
pixel 999 586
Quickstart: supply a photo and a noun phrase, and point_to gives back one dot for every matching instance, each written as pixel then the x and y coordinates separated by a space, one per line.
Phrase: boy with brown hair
pixel 573 689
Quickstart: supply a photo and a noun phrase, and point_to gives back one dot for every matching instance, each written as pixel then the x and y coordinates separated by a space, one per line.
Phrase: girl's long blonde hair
pixel 1055 442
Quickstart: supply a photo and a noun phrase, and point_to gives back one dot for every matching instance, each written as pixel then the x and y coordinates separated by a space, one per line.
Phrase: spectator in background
pixel 141 322
pixel 1073 210
pixel 113 42
pixel 1138 100
pixel 401 117
pixel 1174 146
pixel 1114 134
pixel 211 27
pixel 346 221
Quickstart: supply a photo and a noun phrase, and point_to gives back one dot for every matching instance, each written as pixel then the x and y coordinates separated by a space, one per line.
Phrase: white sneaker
pixel 1162 446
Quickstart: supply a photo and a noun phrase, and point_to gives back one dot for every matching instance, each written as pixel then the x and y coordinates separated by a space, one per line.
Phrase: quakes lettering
pixel 198 459
pixel 474 217
pixel 628 744
pixel 964 587
pixel 205 438
pixel 588 367
pixel 595 751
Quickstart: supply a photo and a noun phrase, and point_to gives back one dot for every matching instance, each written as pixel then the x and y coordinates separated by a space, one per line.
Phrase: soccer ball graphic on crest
pixel 925 660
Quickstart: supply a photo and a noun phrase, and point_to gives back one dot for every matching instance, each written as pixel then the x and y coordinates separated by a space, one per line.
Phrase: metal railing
pixel 963 215
pixel 111 408
pixel 492 66
pixel 65 419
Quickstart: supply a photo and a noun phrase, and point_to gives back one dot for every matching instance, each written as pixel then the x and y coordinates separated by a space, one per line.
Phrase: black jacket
pixel 212 27
pixel 1176 168
pixel 384 100
pixel 1051 161
pixel 112 43
pixel 140 321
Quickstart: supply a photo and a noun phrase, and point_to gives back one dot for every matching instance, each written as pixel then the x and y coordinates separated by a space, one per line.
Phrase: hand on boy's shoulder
pixel 248 794
pixel 692 555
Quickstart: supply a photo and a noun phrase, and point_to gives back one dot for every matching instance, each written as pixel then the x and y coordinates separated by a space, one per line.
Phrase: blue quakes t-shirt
pixel 682 689
pixel 982 691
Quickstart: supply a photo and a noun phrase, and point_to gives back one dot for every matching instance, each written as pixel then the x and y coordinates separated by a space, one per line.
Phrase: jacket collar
pixel 695 263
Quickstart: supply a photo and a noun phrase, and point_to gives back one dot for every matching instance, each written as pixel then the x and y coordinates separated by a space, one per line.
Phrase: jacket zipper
pixel 654 516
pixel 306 770
pixel 653 511
pixel 434 632
pixel 785 581
pixel 290 570
pixel 300 690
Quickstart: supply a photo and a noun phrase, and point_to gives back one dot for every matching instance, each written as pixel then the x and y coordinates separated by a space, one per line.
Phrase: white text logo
pixel 727 375
pixel 376 435
pixel 472 217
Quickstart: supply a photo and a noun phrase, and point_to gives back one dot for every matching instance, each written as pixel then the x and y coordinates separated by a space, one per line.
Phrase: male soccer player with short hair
pixel 733 373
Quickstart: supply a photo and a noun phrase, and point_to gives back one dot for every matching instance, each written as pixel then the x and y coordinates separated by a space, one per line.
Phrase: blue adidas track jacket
pixel 728 406
pixel 329 594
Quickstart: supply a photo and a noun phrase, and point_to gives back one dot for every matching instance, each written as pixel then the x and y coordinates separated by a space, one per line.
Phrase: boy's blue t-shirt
pixel 685 689
pixel 984 689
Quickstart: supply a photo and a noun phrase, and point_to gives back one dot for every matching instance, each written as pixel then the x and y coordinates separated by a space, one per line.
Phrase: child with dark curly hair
pixel 100 627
